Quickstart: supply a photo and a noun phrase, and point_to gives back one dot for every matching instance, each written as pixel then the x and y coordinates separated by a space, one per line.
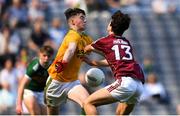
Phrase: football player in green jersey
pixel 31 88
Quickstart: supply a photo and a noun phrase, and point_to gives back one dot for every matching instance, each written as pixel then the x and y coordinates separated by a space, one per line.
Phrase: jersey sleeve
pixel 32 68
pixel 99 44
pixel 73 37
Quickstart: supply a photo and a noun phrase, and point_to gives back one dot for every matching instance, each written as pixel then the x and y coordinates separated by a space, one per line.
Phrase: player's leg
pixel 31 103
pixel 123 90
pixel 51 86
pixel 55 94
pixel 124 109
pixel 40 99
pixel 129 94
pixel 78 94
pixel 99 97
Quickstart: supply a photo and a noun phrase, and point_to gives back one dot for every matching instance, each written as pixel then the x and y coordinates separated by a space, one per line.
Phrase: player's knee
pixel 124 109
pixel 121 112
pixel 118 112
pixel 86 103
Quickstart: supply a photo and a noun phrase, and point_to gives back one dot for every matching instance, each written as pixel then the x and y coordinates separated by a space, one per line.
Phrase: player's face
pixel 45 58
pixel 80 22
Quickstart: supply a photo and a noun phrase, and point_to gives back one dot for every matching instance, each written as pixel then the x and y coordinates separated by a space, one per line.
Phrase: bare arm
pixel 69 52
pixel 60 65
pixel 22 85
pixel 100 63
pixel 90 48
pixel 103 62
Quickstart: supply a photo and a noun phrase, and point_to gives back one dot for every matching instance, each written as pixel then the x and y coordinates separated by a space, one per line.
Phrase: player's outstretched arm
pixel 90 48
pixel 69 52
pixel 103 62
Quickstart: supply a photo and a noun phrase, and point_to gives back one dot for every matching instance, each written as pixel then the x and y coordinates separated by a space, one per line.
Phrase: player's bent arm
pixel 21 87
pixel 103 62
pixel 69 52
pixel 60 65
pixel 90 48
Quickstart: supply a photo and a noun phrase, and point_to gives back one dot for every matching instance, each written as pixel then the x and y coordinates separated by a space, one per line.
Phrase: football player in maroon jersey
pixel 128 75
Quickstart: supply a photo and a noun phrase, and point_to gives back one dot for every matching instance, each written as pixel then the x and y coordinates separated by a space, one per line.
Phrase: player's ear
pixel 72 22
pixel 110 23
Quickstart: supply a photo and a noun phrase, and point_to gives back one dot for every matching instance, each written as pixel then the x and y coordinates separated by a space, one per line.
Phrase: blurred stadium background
pixel 25 25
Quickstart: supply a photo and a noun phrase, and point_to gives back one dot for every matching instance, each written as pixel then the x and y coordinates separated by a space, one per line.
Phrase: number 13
pixel 127 51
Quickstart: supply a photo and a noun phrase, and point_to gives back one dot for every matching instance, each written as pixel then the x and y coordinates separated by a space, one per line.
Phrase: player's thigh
pixel 125 89
pixel 78 94
pixel 55 93
pixel 31 102
pixel 100 97
pixel 124 109
pixel 40 99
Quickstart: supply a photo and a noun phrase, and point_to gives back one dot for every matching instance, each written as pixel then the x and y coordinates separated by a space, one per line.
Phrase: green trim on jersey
pixel 38 76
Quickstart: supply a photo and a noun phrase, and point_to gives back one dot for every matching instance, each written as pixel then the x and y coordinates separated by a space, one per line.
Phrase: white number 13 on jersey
pixel 115 48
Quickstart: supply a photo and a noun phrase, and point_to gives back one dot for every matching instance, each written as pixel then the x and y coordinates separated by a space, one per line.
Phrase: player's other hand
pixel 88 49
pixel 59 66
pixel 18 109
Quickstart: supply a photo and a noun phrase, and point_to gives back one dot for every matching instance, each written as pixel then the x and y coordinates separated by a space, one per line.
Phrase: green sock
pixel 83 112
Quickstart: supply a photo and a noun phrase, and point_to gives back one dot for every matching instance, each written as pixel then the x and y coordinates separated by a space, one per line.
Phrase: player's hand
pixel 19 109
pixel 59 66
pixel 88 49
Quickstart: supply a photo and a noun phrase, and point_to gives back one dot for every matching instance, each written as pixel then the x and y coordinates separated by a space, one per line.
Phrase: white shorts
pixel 38 95
pixel 126 90
pixel 57 92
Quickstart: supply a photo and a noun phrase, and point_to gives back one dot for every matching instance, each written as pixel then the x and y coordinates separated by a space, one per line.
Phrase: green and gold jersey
pixel 38 76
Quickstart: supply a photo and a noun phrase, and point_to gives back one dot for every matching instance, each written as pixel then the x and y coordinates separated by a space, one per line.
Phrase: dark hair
pixel 73 11
pixel 47 49
pixel 120 22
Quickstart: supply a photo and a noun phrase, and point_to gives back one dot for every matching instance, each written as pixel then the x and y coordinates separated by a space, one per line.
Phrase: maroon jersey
pixel 118 53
